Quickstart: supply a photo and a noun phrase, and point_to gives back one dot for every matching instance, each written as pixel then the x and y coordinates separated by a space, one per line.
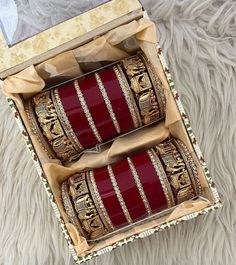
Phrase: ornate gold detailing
pixel 107 102
pixel 87 112
pixel 52 129
pixel 37 131
pixel 119 195
pixel 98 201
pixel 150 104
pixel 157 84
pixel 177 161
pixel 65 121
pixel 89 219
pixel 128 96
pixel 73 218
pixel 163 178
pixel 139 186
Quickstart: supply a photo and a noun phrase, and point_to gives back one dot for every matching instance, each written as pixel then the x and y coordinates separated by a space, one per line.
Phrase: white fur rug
pixel 199 40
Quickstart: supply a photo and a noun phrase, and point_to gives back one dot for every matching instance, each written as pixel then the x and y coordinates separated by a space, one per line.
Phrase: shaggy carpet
pixel 199 41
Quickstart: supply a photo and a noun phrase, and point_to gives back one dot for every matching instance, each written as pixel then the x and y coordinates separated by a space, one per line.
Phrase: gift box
pixel 98 38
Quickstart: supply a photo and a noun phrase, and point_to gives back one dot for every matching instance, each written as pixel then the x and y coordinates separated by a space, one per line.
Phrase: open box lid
pixel 18 51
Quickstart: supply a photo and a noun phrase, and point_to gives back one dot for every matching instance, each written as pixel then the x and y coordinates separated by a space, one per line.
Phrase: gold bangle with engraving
pixel 65 121
pixel 177 167
pixel 157 84
pixel 83 204
pixel 51 126
pixel 128 96
pixel 142 88
pixel 36 130
pixel 69 208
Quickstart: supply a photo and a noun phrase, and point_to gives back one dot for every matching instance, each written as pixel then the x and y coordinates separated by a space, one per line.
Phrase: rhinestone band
pixel 163 177
pixel 98 201
pixel 128 96
pixel 119 195
pixel 65 121
pixel 87 112
pixel 107 102
pixel 139 185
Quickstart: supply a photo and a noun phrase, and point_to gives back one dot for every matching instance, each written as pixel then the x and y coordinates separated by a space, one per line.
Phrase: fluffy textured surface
pixel 199 41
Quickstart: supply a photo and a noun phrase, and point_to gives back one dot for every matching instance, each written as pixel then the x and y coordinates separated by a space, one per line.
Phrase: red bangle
pixel 98 107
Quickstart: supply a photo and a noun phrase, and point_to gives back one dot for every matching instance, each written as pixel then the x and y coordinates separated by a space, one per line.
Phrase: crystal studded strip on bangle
pixel 139 186
pixel 65 121
pixel 163 178
pixel 87 112
pixel 107 102
pixel 119 195
pixel 98 201
pixel 128 96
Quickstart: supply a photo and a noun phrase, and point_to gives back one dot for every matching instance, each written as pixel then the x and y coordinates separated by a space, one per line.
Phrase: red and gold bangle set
pixel 94 109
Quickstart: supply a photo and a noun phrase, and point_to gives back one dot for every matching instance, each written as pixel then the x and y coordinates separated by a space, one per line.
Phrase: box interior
pixel 112 46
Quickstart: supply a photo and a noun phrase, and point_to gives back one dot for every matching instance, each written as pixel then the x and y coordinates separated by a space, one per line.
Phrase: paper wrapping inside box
pixel 105 48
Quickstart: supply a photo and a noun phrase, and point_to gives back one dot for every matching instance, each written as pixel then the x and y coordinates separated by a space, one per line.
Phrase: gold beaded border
pixel 119 195
pixel 87 112
pixel 98 201
pixel 128 96
pixel 162 176
pixel 139 186
pixel 65 121
pixel 107 102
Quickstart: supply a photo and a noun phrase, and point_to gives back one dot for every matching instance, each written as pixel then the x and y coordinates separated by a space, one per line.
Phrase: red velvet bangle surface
pixel 150 181
pixel 117 99
pixel 109 197
pixel 129 190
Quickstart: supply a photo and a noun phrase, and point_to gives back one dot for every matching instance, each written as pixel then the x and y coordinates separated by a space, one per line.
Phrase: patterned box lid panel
pixel 52 41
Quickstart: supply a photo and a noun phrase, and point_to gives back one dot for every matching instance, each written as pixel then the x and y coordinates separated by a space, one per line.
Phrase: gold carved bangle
pixel 51 126
pixel 119 195
pixel 87 112
pixel 86 212
pixel 65 121
pixel 133 109
pixel 70 211
pixel 157 84
pixel 163 178
pixel 142 88
pixel 98 201
pixel 139 186
pixel 36 130
pixel 177 167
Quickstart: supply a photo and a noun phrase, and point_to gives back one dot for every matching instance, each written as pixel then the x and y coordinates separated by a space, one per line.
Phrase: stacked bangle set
pixel 94 109
pixel 102 200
